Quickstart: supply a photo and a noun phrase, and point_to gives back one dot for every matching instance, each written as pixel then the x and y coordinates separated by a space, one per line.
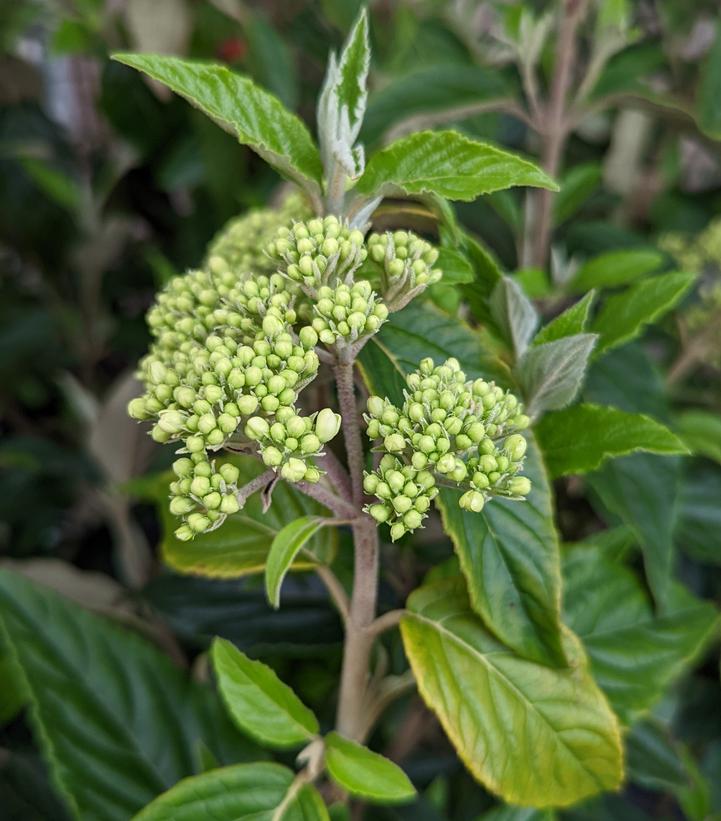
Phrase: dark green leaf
pixel 701 431
pixel 365 773
pixel 510 558
pixel 247 792
pixel 699 528
pixel 576 187
pixel 634 653
pixel 580 438
pixel 514 314
pixel 116 721
pixel 449 164
pixel 572 321
pixel 413 333
pixel 257 118
pixel 457 269
pixel 259 702
pixel 654 761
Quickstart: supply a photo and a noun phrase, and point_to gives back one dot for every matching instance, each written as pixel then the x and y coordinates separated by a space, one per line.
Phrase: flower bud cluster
pixel 318 252
pixel 289 440
pixel 347 312
pixel 461 433
pixel 406 263
pixel 240 245
pixel 203 494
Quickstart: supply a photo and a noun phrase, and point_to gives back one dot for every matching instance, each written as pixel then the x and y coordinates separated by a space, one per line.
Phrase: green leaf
pixel 246 792
pixel 257 118
pixel 550 375
pixel 701 431
pixel 502 712
pixel 286 546
pixel 364 773
pixel 572 321
pixel 353 67
pixel 579 439
pixel 653 759
pixel 449 164
pixel 576 187
pixel 440 92
pixel 514 314
pixel 615 268
pixel 457 270
pixel 509 555
pixel 623 316
pixel 709 91
pixel 699 526
pixel 258 701
pixel 116 721
pixel 634 654
pixel 241 546
pixel 417 331
pixel 642 491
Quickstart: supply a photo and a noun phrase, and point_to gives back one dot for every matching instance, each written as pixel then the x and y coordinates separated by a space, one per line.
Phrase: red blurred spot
pixel 232 50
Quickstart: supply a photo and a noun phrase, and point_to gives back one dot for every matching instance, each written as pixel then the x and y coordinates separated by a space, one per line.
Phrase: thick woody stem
pixel 351 428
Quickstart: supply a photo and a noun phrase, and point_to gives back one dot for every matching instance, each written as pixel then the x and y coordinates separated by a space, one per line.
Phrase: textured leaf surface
pixel 624 316
pixel 413 333
pixel 615 268
pixel 699 528
pixel 509 555
pixel 365 773
pixel 514 314
pixel 551 374
pixel 247 792
pixel 240 547
pixel 580 438
pixel 259 702
pixel 634 653
pixel 502 712
pixel 653 758
pixel 116 721
pixel 449 164
pixel 572 321
pixel 257 118
pixel 286 546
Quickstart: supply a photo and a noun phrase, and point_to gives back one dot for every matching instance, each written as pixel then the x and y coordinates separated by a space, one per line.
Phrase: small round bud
pixel 229 505
pixel 256 428
pixel 327 424
pixel 379 512
pixel 520 486
pixel 230 473
pixel 394 443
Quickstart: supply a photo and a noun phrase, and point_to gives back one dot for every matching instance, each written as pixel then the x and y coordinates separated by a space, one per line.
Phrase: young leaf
pixel 96 691
pixel 615 268
pixel 240 547
pixel 624 315
pixel 342 102
pixel 245 792
pixel 257 118
pixel 579 439
pixel 449 164
pixel 701 431
pixel 258 701
pixel 509 555
pixel 502 712
pixel 550 375
pixel 365 773
pixel 286 546
pixel 457 269
pixel 634 654
pixel 514 314
pixel 572 321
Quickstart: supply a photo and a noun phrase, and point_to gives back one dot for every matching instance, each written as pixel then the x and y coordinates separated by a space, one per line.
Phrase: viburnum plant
pixel 417 416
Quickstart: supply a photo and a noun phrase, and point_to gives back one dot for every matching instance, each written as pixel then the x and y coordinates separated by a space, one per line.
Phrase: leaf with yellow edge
pixel 537 736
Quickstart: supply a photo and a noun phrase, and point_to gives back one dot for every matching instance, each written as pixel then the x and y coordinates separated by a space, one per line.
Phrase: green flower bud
pixel 472 500
pixel 308 337
pixel 375 406
pixel 293 470
pixel 195 444
pixel 230 473
pixel 310 443
pixel 412 519
pixel 397 531
pixel 394 442
pixel 184 533
pixel 379 512
pixel 520 486
pixel 327 424
pixel 212 500
pixel 256 428
pixel 182 467
pixel 272 456
pixel 198 523
pixel 180 505
pixel 370 483
pixel 247 405
pixel 229 505
pixel 200 486
pixel 401 504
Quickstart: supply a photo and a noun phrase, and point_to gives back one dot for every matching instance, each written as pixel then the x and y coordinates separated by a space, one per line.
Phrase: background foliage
pixel 111 185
